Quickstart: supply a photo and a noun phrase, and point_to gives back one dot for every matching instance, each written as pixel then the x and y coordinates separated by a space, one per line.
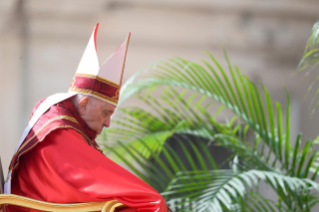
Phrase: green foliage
pixel 219 190
pixel 310 60
pixel 311 53
pixel 197 105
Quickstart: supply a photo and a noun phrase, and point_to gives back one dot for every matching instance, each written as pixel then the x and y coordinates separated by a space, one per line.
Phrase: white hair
pixel 77 99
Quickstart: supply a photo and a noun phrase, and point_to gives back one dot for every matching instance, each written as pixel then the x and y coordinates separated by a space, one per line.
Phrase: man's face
pixel 96 113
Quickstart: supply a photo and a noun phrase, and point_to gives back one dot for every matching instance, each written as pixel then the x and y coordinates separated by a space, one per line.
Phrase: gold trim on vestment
pixel 102 96
pixel 44 125
pixel 48 122
pixel 106 206
pixel 58 127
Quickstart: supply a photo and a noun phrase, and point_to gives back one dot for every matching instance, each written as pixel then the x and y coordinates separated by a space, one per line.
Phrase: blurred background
pixel 42 42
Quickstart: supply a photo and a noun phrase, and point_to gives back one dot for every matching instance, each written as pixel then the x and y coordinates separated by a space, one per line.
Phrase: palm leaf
pixel 310 60
pixel 311 56
pixel 222 188
pixel 186 100
pixel 239 95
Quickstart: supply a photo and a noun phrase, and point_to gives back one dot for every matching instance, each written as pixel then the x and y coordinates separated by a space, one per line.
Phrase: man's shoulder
pixel 65 133
pixel 36 107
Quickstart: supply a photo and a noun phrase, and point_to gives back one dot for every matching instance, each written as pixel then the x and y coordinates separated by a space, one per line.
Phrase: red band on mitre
pixel 96 86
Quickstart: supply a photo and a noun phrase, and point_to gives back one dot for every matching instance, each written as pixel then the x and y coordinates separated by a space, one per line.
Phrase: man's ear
pixel 83 104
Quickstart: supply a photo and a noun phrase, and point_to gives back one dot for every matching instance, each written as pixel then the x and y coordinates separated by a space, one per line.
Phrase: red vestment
pixel 60 167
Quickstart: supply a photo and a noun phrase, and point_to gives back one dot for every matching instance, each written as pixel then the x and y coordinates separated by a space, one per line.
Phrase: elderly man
pixel 57 159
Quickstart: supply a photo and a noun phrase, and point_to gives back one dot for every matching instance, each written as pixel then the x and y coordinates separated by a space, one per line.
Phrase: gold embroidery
pixel 12 199
pixel 101 79
pixel 109 82
pixel 58 127
pixel 107 98
pixel 98 148
pixel 48 122
pixel 73 83
pixel 91 76
pixel 117 94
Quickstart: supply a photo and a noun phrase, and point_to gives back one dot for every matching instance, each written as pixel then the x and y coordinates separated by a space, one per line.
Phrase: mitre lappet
pixel 102 82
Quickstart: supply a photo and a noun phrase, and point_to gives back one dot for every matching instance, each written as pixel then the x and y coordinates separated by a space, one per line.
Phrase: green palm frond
pixel 256 202
pixel 158 169
pixel 179 116
pixel 187 90
pixel 309 62
pixel 218 190
pixel 196 105
pixel 311 53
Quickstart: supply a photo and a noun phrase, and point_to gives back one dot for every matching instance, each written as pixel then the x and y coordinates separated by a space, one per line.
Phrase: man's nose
pixel 107 122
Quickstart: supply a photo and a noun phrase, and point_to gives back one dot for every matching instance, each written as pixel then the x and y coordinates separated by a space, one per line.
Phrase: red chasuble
pixel 60 162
